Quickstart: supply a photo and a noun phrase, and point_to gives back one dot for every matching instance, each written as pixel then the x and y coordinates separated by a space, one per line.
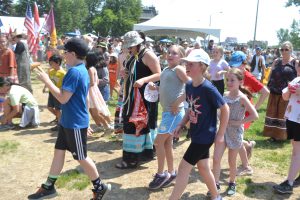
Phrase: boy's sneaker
pixel 231 189
pixel 244 171
pixel 42 193
pixel 6 127
pixel 158 181
pixel 284 188
pixel 170 180
pixel 208 194
pixel 98 195
pixel 297 182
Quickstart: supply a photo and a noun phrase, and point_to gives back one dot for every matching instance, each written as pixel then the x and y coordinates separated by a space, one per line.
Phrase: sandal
pixel 125 165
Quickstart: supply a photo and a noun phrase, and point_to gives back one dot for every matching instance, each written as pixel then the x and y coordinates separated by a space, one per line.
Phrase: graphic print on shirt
pixel 194 109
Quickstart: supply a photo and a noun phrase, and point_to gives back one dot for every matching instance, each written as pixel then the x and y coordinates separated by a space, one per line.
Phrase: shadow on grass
pixel 262 190
pixel 118 193
pixel 267 144
pixel 104 146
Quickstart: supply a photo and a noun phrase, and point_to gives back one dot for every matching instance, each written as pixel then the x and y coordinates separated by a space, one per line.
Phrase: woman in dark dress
pixel 139 115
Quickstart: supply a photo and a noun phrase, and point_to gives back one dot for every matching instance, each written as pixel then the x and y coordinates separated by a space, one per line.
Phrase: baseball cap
pixel 258 48
pixel 76 45
pixel 237 58
pixel 198 55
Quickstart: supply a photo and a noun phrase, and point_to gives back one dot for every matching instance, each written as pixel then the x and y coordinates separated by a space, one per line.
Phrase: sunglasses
pixel 284 50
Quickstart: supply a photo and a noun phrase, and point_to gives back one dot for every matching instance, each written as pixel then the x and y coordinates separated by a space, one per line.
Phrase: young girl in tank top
pixel 171 90
pixel 237 99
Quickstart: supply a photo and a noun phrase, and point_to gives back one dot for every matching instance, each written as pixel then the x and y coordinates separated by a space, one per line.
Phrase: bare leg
pixel 160 151
pixel 97 117
pixel 182 178
pixel 57 162
pixel 217 157
pixel 208 177
pixel 169 153
pixel 295 161
pixel 89 168
pixel 232 154
pixel 243 155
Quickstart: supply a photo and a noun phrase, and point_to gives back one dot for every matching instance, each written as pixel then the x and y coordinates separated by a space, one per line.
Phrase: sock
pixel 161 174
pixel 173 173
pixel 291 183
pixel 49 184
pixel 97 184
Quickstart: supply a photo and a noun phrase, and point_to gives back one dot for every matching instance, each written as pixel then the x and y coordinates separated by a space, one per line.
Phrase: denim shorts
pixel 169 121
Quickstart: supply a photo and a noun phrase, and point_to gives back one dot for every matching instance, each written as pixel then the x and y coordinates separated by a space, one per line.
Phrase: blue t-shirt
pixel 74 112
pixel 203 101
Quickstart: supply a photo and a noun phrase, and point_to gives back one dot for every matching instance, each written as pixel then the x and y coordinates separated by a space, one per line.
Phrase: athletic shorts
pixel 53 102
pixel 293 130
pixel 73 140
pixel 196 152
pixel 169 121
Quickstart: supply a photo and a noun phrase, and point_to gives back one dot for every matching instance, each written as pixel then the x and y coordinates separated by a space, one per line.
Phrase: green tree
pixel 21 5
pixel 6 7
pixel 283 35
pixel 293 2
pixel 294 34
pixel 94 8
pixel 70 15
pixel 117 17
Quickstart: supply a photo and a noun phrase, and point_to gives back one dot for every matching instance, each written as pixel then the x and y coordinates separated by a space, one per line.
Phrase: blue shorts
pixel 169 121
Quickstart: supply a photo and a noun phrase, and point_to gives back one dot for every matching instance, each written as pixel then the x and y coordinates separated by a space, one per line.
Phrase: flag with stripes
pixel 29 26
pixel 36 27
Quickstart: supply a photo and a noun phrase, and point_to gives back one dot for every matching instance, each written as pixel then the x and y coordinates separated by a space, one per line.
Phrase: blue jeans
pixel 105 91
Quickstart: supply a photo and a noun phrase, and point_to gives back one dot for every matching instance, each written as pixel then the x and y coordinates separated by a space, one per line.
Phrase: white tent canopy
pixel 184 28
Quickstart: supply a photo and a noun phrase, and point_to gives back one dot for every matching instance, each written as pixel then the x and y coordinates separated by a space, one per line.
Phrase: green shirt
pixel 20 95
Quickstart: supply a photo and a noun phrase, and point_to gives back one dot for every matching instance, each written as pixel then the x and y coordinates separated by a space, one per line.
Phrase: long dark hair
pixel 91 59
pixel 4 81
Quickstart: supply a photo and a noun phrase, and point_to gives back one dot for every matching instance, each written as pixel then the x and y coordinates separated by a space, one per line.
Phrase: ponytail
pixel 246 91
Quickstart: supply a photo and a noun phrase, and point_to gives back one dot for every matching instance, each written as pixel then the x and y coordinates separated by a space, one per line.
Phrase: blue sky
pixel 237 17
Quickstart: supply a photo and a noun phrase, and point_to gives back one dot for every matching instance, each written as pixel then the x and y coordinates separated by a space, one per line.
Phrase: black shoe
pixel 188 135
pixel 55 128
pixel 43 193
pixel 208 194
pixel 297 181
pixel 284 188
pixel 98 195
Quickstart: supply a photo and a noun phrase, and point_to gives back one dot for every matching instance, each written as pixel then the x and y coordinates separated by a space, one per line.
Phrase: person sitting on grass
pixel 56 74
pixel 19 103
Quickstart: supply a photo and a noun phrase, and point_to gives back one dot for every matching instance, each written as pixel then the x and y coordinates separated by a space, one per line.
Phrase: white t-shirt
pixel 215 67
pixel 292 112
pixel 256 72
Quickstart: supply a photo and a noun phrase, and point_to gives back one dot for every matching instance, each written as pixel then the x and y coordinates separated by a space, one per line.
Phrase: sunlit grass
pixel 8 146
pixel 73 180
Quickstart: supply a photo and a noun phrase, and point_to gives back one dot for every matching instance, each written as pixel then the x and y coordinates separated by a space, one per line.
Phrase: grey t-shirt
pixel 171 87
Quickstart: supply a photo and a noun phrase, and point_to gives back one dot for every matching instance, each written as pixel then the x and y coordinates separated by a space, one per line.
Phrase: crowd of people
pixel 208 91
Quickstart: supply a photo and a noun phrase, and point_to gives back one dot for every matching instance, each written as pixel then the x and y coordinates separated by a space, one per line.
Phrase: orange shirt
pixel 112 68
pixel 8 63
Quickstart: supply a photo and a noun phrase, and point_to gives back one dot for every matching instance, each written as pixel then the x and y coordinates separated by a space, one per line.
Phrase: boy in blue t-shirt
pixel 204 100
pixel 74 122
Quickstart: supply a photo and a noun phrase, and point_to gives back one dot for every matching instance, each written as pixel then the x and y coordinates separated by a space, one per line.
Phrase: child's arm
pixel 175 104
pixel 180 72
pixel 92 77
pixel 253 115
pixel 224 116
pixel 286 94
pixel 185 119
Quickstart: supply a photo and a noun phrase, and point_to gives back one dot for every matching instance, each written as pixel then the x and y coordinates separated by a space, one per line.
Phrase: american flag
pixel 30 30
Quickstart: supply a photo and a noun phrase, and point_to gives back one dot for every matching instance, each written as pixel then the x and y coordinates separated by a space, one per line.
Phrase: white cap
pixel 197 55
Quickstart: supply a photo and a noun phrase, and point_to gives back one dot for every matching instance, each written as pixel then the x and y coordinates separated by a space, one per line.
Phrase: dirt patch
pixel 21 172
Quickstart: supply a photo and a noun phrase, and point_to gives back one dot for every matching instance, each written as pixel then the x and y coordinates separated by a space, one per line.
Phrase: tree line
pixel 103 17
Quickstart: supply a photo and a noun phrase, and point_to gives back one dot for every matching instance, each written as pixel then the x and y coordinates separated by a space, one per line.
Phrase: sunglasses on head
pixel 284 50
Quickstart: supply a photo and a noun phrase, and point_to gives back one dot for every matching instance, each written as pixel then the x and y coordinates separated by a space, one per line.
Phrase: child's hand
pixel 177 131
pixel 152 86
pixel 174 109
pixel 90 131
pixel 44 90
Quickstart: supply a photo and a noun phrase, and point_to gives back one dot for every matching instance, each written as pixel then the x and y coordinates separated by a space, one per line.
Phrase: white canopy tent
pixel 180 27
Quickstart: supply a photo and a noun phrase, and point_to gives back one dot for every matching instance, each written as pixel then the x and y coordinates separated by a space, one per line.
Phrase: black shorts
pixel 53 102
pixel 73 140
pixel 196 152
pixel 293 130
